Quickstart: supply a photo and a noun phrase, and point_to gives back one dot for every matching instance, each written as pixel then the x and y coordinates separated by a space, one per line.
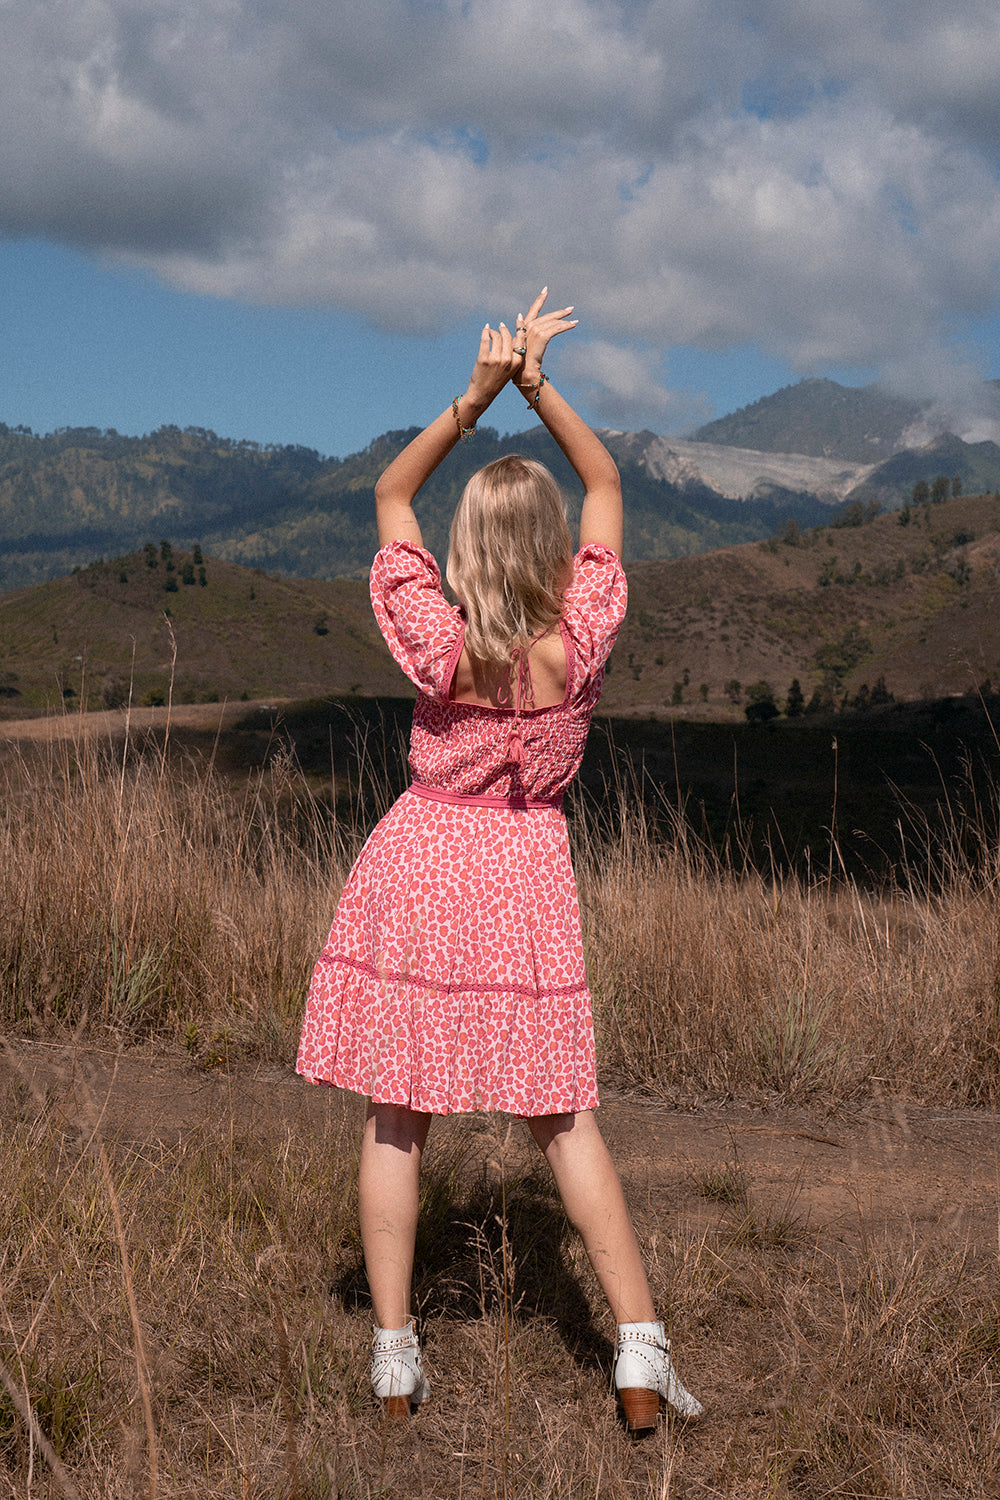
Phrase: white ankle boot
pixel 398 1379
pixel 645 1378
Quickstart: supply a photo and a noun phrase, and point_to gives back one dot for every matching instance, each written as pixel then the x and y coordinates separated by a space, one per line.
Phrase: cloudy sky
pixel 288 219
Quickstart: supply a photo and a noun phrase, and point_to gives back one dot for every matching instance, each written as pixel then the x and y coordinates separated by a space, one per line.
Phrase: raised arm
pixel 601 518
pixel 397 486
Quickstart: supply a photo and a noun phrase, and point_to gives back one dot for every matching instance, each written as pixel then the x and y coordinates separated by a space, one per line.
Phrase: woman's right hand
pixel 534 332
pixel 495 364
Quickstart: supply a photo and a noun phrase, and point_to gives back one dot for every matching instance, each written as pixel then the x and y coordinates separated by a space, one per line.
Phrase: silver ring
pixel 521 351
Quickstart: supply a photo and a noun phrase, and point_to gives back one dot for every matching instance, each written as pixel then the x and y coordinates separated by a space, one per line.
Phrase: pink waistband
pixel 520 803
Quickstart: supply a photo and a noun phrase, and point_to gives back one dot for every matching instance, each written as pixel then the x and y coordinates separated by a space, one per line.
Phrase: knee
pixel 555 1134
pixel 395 1125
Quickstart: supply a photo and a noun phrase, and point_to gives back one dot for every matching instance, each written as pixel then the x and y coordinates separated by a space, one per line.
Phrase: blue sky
pixel 287 219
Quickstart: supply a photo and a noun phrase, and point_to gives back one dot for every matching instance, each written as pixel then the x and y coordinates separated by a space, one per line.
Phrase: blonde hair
pixel 510 556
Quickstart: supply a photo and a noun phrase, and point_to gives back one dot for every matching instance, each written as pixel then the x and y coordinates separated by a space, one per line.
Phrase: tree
pixel 837 657
pixel 921 492
pixel 821 701
pixel 761 707
pixel 939 489
pixel 793 533
pixel 851 515
pixel 956 486
pixel 734 690
pixel 796 700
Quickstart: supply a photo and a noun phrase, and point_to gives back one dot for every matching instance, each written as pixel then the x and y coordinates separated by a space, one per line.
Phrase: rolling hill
pixel 85 639
pixel 77 494
pixel 909 597
pixel 906 597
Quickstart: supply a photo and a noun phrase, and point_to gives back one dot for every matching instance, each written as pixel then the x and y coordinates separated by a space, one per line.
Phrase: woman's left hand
pixel 534 332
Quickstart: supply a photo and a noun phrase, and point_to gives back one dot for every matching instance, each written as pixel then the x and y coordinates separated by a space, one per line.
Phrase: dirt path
pixel 926 1174
pixel 112 722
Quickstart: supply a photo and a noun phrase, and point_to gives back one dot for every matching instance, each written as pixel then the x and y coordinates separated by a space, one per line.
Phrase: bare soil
pixel 840 1170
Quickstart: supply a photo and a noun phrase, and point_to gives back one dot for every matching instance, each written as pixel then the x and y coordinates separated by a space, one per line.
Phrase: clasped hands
pixel 516 356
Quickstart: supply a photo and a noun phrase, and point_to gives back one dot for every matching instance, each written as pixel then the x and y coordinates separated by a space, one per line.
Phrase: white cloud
pixel 819 179
pixel 626 387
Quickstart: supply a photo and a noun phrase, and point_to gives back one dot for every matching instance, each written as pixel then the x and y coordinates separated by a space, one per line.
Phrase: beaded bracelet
pixel 465 433
pixel 537 388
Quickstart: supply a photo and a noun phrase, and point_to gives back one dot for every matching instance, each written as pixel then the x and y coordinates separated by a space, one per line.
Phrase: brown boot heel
pixel 396 1408
pixel 641 1408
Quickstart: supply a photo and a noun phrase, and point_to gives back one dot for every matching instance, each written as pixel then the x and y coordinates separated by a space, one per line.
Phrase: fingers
pixel 536 306
pixel 495 345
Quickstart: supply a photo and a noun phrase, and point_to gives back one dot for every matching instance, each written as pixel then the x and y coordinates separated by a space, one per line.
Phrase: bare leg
pixel 388 1200
pixel 592 1196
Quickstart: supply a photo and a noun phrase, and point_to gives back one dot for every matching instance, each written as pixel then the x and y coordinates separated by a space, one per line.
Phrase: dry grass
pixel 728 981
pixel 145 895
pixel 168 1327
pixel 169 1330
pixel 141 894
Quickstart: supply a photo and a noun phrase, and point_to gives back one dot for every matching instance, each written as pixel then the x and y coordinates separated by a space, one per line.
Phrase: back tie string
pixel 524 691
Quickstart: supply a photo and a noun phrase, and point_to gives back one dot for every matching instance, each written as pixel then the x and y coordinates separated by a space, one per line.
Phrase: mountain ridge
pixel 76 494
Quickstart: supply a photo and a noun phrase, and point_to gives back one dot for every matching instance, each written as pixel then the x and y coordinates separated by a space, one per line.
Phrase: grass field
pixel 184 1310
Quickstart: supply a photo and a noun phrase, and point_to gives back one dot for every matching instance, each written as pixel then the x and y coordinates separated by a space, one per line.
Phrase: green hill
pixel 977 465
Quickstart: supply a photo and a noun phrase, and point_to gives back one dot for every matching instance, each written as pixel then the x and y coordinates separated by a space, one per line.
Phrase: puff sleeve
pixel 594 608
pixel 422 630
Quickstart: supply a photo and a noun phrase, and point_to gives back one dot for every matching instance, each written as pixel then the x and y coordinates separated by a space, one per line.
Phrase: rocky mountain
pixel 738 473
pixel 822 419
pixel 73 496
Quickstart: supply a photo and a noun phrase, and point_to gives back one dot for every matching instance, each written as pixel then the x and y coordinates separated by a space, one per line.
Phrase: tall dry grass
pixel 144 893
pixel 712 976
pixel 141 893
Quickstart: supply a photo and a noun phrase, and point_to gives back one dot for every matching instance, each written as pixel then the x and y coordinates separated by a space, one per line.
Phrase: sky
pixel 287 220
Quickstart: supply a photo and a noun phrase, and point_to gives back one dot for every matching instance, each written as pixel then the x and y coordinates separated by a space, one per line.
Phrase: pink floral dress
pixel 453 977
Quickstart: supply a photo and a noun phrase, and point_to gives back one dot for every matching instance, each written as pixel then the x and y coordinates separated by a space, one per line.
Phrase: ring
pixel 521 351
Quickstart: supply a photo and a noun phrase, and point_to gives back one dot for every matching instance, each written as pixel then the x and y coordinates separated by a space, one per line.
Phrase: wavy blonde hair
pixel 510 557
